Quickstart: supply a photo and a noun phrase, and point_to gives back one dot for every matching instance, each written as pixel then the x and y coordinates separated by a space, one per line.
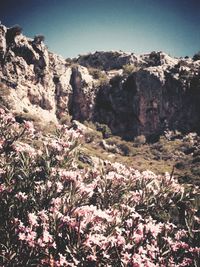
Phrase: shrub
pixel 106 131
pixel 120 146
pixel 103 81
pixel 15 30
pixel 196 170
pixel 69 61
pixel 125 148
pixel 180 165
pixel 129 68
pixel 89 136
pixel 139 140
pixel 99 75
pixel 90 125
pixel 96 73
pixel 12 33
pixel 196 56
pixel 154 58
pixel 65 118
pixel 38 39
pixel 55 214
pixel 5 92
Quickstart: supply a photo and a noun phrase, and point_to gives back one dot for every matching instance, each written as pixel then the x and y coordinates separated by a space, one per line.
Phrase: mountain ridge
pixel 133 94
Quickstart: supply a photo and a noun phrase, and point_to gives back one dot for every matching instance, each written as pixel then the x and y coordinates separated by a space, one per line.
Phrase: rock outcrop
pixel 132 94
pixel 149 102
pixel 37 81
pixel 110 60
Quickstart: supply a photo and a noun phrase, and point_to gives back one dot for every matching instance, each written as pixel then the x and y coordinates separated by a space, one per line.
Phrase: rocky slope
pixel 132 94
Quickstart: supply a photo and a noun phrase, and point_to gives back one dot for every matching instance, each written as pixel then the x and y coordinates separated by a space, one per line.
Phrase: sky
pixel 73 27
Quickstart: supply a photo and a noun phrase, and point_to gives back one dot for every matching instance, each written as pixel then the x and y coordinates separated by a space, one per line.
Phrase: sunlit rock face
pixel 109 60
pixel 157 92
pixel 34 81
pixel 3 31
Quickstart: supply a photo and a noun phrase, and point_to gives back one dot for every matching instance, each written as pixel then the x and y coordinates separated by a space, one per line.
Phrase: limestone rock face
pixel 110 60
pixel 153 93
pixel 29 72
pixel 84 94
pixel 36 83
pixel 3 31
pixel 157 95
pixel 152 100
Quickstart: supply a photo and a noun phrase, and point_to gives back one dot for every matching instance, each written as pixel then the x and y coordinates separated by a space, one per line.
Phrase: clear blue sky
pixel 73 27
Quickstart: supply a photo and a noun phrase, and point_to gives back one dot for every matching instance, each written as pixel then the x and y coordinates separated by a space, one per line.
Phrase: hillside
pixel 127 95
pixel 99 157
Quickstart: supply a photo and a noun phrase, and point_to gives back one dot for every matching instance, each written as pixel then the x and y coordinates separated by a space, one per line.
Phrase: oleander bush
pixel 55 214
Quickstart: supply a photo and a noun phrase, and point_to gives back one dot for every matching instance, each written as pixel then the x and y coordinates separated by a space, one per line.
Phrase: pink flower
pixel 59 186
pixel 23 147
pixel 30 238
pixel 126 257
pixel 181 233
pixel 2 142
pixel 2 111
pixel 120 240
pixel 22 236
pixel 33 219
pixel 2 188
pixel 56 204
pixel 21 196
pixel 91 257
pixel 186 262
pixel 154 228
pixel 68 175
pixel 41 243
pixel 137 237
pixel 49 184
pixel 47 237
pixel 195 250
pixel 55 145
pixel 179 245
pixel 43 215
pixel 29 127
pixel 8 118
pixel 128 246
pixel 62 260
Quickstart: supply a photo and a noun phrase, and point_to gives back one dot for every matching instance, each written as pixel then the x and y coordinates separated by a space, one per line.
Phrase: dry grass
pixel 160 157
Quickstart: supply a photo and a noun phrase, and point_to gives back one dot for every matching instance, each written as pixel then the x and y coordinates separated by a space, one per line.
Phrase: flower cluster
pixel 55 214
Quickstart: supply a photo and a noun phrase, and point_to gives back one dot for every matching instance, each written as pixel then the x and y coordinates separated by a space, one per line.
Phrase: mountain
pixel 132 94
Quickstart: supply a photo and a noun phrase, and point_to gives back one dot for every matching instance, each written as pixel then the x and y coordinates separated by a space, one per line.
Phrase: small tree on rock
pixel 196 56
pixel 38 39
pixel 12 33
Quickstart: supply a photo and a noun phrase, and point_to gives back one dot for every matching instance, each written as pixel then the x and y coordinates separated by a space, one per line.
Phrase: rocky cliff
pixel 132 94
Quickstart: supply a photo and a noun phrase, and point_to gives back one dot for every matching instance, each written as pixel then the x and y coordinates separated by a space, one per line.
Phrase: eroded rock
pixel 159 93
